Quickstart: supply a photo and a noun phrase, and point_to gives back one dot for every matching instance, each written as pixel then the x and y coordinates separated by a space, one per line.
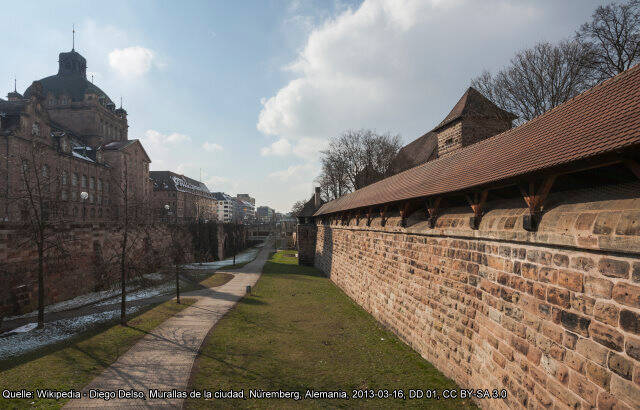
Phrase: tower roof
pixel 70 80
pixel 474 104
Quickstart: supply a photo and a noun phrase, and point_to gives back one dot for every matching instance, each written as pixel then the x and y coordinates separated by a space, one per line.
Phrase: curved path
pixel 163 358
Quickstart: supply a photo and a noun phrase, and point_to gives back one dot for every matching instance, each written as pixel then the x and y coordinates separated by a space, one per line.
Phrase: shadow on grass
pixel 284 267
pixel 252 301
pixel 229 365
pixel 7 364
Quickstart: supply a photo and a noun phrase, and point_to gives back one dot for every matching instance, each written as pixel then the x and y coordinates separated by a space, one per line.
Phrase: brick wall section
pixel 477 129
pixel 306 239
pixel 91 264
pixel 551 316
pixel 450 138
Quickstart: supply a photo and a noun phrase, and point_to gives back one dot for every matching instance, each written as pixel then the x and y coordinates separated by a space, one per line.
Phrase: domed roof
pixel 70 80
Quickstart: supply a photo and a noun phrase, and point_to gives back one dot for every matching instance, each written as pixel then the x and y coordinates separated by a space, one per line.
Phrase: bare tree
pixel 297 207
pixel 540 78
pixel 614 36
pixel 41 211
pixel 355 159
pixel 131 222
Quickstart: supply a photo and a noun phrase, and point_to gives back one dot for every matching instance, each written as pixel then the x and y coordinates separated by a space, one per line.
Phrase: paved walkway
pixel 163 359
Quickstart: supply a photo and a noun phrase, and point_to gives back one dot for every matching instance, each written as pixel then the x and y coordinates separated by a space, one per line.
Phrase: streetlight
pixel 84 195
pixel 166 208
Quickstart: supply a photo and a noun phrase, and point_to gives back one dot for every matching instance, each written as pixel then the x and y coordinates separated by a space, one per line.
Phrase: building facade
pixel 65 142
pixel 225 207
pixel 178 197
pixel 264 214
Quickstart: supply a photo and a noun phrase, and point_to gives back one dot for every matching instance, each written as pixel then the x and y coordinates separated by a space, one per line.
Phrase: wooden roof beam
pixel 535 200
pixel 477 204
pixel 432 208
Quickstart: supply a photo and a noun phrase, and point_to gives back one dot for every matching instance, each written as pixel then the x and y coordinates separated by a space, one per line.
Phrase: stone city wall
pixel 551 316
pixel 90 260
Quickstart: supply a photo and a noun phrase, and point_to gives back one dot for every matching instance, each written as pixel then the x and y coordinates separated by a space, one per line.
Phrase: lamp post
pixel 174 244
pixel 84 195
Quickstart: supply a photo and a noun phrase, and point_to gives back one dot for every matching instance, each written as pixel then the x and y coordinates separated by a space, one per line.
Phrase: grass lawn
pixel 217 279
pixel 74 363
pixel 298 331
pixel 206 278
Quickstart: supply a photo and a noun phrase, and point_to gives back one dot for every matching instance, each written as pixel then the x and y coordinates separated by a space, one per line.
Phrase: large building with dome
pixel 65 142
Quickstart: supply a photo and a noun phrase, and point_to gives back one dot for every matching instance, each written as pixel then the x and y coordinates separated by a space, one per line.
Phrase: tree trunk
pixel 40 287
pixel 177 284
pixel 123 281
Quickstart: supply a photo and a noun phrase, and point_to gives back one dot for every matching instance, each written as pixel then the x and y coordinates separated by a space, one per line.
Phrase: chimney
pixel 316 198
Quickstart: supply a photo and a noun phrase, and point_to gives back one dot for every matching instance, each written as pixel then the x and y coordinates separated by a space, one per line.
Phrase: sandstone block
pixel 630 321
pixel 626 294
pixel 593 351
pixel 632 347
pixel 606 336
pixel 613 268
pixel 620 365
pixel 575 323
pixel 625 390
pixel 598 375
pixel 606 312
pixel 598 287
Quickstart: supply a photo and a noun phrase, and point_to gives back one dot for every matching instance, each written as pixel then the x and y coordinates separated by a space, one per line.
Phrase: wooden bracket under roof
pixel 477 205
pixel 383 215
pixel 633 167
pixel 432 208
pixel 406 209
pixel 535 199
pixel 369 216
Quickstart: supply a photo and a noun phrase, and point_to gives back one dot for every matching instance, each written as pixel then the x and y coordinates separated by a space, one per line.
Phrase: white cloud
pixel 211 147
pixel 390 65
pixel 299 172
pixel 162 147
pixel 131 61
pixel 280 148
pixel 154 137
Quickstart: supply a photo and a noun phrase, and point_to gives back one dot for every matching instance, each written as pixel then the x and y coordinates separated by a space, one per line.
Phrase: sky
pixel 245 94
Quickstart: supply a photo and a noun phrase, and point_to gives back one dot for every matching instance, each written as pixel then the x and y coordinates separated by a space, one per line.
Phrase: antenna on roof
pixel 91 78
pixel 15 86
pixel 121 102
pixel 73 44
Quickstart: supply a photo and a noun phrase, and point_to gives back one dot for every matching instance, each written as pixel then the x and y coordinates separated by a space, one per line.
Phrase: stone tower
pixel 472 119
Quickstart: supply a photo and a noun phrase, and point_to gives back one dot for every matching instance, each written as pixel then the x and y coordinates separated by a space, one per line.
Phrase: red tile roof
pixel 415 153
pixel 599 121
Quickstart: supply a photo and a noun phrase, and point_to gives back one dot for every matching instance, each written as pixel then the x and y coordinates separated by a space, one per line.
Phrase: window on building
pixel 75 211
pixel 100 212
pixel 99 199
pixel 92 182
pixel 74 179
pixel 63 195
pixel 64 177
pixel 99 184
pixel 91 197
pixel 93 213
pixel 25 166
pixel 45 171
pixel 84 181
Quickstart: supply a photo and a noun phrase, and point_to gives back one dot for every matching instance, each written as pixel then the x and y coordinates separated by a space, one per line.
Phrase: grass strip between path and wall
pixel 74 363
pixel 298 331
